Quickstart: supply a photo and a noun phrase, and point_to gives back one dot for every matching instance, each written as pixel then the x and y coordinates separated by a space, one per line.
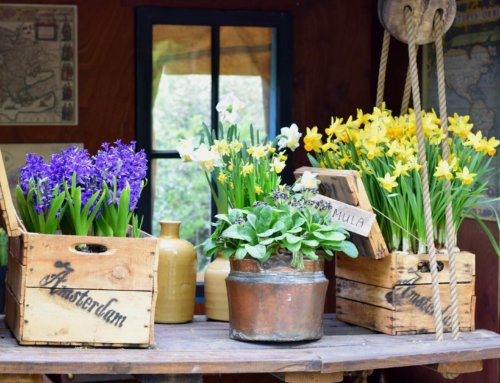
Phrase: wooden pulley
pixel 392 16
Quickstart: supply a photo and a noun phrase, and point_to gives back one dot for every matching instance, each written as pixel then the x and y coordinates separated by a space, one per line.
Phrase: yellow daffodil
pixel 401 169
pixel 257 151
pixel 388 182
pixel 443 170
pixel 476 141
pixel 221 147
pixel 490 146
pixel 459 125
pixel 282 156
pixel 236 146
pixel 361 119
pixel 334 126
pixel 222 178
pixel 312 140
pixel 247 169
pixel 466 176
pixel 277 165
pixel 258 190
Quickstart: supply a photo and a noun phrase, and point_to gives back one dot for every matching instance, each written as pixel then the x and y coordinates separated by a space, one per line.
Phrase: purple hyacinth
pixel 121 163
pixel 36 174
pixel 75 160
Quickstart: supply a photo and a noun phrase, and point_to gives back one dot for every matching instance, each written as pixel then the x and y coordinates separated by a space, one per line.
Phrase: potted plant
pixel 78 252
pixel 240 171
pixel 382 148
pixel 277 248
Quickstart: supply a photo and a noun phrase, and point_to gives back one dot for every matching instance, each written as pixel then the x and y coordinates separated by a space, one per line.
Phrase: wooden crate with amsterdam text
pixel 394 295
pixel 58 294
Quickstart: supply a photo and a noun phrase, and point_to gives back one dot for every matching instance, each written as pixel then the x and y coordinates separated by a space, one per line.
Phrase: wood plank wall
pixel 336 52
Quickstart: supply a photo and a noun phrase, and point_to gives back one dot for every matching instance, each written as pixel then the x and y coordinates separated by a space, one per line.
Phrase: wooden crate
pixel 393 295
pixel 59 295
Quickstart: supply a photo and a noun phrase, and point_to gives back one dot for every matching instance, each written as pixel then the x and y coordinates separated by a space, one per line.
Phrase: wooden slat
pixel 128 263
pixel 360 292
pixel 204 347
pixel 406 309
pixel 20 378
pixel 346 186
pixel 313 377
pixel 8 219
pixel 53 318
pixel 401 268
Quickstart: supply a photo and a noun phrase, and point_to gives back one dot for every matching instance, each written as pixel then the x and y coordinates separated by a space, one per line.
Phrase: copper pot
pixel 274 302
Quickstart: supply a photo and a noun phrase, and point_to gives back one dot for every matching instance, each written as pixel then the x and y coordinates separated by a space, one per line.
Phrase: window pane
pixel 245 70
pixel 181 193
pixel 181 83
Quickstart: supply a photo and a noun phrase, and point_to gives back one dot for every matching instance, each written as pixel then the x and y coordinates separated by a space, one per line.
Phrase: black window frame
pixel 146 17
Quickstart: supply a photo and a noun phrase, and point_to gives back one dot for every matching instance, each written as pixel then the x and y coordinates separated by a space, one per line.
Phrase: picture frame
pixel 40 85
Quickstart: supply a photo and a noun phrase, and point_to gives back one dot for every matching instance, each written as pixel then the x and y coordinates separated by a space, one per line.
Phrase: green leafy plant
pixel 291 221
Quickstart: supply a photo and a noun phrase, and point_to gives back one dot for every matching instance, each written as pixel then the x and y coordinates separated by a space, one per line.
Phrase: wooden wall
pixel 333 64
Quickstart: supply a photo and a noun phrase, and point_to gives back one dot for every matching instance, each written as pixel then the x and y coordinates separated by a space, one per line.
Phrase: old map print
pixel 472 70
pixel 38 65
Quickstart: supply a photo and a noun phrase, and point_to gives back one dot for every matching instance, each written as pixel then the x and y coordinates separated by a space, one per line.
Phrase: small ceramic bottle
pixel 176 276
pixel 216 302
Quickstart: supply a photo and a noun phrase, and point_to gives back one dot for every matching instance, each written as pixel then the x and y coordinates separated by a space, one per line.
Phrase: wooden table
pixel 183 353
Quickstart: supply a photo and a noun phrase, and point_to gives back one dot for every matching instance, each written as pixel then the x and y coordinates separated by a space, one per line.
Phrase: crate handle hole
pixel 90 248
pixel 425 267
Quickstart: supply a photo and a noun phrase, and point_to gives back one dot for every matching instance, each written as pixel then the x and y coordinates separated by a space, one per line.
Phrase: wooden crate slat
pixel 127 265
pixel 94 316
pixel 8 218
pixel 402 268
pixel 346 186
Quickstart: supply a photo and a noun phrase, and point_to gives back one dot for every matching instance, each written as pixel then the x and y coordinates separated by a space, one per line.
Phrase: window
pixel 186 59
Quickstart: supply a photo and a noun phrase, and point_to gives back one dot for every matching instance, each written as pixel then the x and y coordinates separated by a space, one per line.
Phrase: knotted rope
pixel 429 232
pixel 450 229
pixel 412 88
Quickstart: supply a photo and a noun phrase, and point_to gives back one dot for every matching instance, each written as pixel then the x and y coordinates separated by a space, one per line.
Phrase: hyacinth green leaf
pixel 235 232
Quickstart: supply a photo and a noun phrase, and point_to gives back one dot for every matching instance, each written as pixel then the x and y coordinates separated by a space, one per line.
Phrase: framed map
pixel 38 65
pixel 472 71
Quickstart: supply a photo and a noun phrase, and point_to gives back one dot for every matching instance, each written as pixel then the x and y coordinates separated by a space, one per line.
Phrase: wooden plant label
pixel 352 218
pixel 345 186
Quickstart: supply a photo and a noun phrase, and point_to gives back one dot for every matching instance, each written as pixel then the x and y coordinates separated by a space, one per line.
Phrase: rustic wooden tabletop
pixel 203 347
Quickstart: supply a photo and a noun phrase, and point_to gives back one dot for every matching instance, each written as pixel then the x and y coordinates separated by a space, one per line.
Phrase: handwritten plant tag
pixel 353 219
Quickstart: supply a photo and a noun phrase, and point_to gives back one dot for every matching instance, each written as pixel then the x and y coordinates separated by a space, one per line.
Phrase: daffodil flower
pixel 307 181
pixel 206 158
pixel 231 109
pixel 443 170
pixel 312 140
pixel 490 146
pixel 186 149
pixel 247 169
pixel 466 176
pixel 388 182
pixel 289 137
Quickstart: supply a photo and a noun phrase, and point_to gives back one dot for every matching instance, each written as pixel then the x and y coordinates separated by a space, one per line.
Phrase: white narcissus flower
pixel 208 159
pixel 186 149
pixel 289 137
pixel 230 109
pixel 307 181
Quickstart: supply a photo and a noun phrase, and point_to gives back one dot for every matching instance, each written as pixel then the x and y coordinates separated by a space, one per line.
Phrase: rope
pixel 436 298
pixel 406 94
pixel 383 68
pixel 450 229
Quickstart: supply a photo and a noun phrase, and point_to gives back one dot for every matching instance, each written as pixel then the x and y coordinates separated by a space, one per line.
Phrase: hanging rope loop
pixel 392 16
pixel 429 231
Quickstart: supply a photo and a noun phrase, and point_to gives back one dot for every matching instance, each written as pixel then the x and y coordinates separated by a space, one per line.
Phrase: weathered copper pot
pixel 274 302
